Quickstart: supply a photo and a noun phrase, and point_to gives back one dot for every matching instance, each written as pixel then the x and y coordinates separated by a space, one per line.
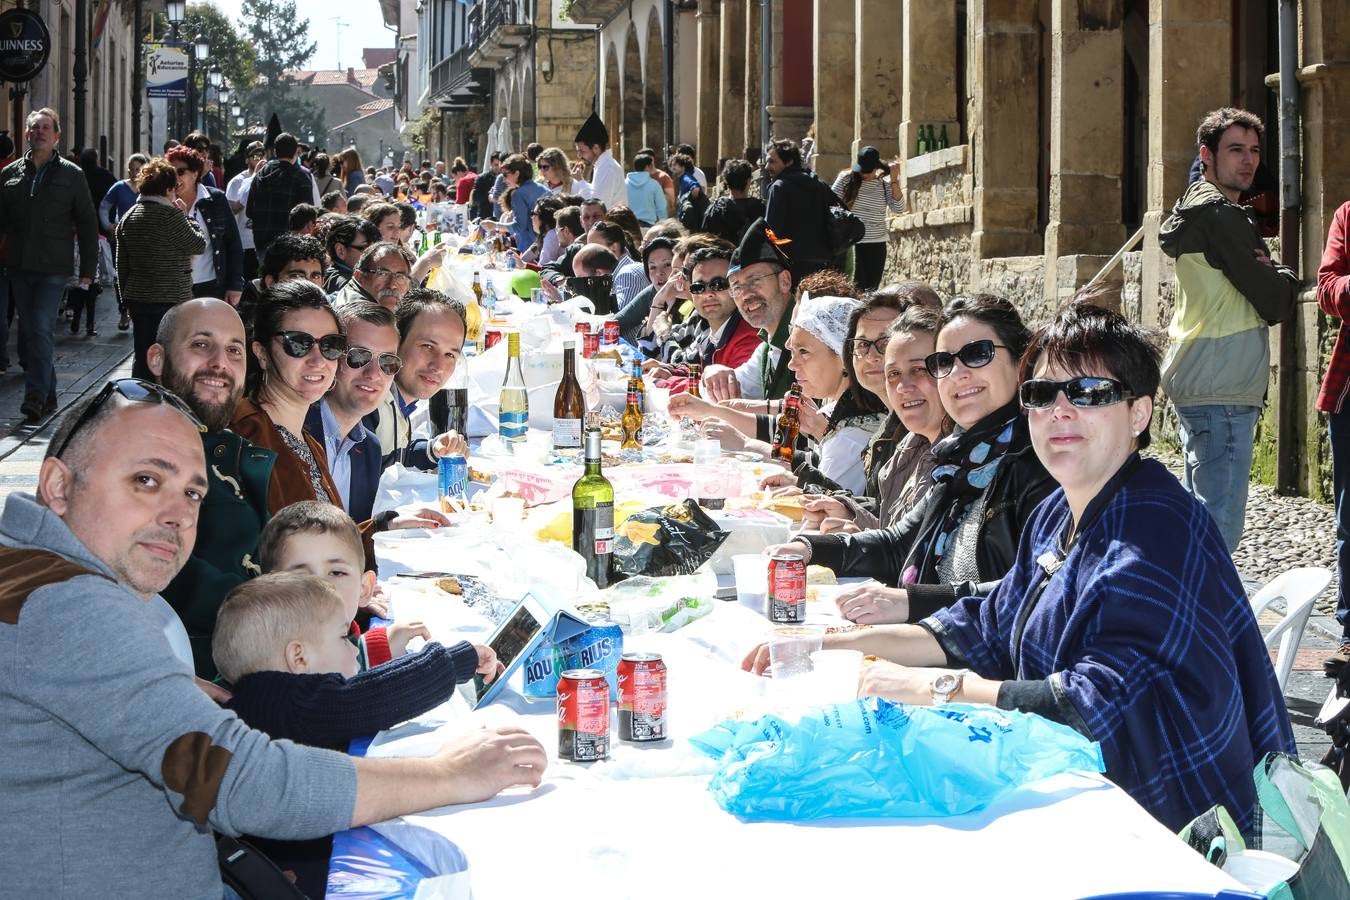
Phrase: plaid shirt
pixel 277 188
pixel 1333 296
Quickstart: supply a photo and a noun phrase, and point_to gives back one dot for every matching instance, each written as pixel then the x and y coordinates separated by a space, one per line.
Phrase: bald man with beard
pixel 199 353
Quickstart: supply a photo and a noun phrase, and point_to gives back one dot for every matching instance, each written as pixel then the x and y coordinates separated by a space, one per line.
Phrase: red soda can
pixel 610 336
pixel 583 715
pixel 642 697
pixel 787 588
pixel 491 337
pixel 583 328
pixel 590 344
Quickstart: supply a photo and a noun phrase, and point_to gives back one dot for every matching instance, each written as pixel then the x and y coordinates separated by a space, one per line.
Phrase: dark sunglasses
pixel 862 345
pixel 297 344
pixel 1087 391
pixel 974 355
pixel 712 284
pixel 182 172
pixel 136 391
pixel 360 357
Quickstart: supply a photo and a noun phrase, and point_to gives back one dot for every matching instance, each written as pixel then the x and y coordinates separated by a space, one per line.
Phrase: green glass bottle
pixel 921 143
pixel 593 514
pixel 932 140
pixel 943 142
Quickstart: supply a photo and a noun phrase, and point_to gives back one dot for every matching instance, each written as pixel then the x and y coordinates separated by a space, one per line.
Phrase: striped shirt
pixel 630 277
pixel 874 197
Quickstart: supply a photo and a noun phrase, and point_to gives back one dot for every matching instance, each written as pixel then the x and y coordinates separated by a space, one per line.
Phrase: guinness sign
pixel 25 44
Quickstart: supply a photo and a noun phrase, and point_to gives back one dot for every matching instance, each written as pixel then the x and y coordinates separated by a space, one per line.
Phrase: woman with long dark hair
pixel 868 190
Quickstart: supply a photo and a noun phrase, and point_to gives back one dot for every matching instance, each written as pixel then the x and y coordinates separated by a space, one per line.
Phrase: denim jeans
pixel 1217 444
pixel 1338 430
pixel 37 298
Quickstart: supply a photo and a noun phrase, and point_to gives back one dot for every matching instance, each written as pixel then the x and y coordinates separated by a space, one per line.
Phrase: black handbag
pixel 843 229
pixel 251 874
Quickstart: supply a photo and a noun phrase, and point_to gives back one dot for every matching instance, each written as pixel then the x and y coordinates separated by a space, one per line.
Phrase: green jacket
pixel 1218 344
pixel 39 224
pixel 226 553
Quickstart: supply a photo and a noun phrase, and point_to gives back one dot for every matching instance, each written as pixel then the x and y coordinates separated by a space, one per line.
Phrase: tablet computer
pixel 518 635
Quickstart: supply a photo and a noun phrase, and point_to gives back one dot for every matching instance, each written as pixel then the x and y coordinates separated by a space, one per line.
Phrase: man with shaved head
pixel 199 353
pixel 117 766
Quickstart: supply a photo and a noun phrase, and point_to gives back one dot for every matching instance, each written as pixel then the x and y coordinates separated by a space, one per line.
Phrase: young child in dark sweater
pixel 286 643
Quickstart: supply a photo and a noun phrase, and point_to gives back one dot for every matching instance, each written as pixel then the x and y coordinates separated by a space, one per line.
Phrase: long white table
pixel 643 824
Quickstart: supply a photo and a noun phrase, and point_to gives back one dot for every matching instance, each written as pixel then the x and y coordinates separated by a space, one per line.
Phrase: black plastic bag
pixel 666 540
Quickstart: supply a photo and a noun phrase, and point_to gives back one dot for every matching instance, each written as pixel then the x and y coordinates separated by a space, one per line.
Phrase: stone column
pixel 1086 129
pixel 732 75
pixel 1006 95
pixel 707 104
pixel 753 97
pixel 879 77
pixel 929 60
pixel 835 52
pixel 1190 73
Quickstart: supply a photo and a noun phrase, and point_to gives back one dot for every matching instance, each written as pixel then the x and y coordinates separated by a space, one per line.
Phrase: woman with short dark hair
pixel 525 193
pixel 218 271
pixel 1122 615
pixel 156 242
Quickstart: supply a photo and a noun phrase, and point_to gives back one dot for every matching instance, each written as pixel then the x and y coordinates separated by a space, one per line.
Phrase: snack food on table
pixel 820 575
pixel 450 585
pixel 786 506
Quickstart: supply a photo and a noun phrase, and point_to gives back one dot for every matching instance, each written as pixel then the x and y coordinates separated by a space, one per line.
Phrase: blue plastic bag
pixel 875 758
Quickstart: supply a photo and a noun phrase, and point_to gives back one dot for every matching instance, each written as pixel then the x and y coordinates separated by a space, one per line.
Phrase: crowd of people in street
pixel 201 536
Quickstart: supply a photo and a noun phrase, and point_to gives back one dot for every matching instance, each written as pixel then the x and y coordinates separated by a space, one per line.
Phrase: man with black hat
pixel 761 285
pixel 607 182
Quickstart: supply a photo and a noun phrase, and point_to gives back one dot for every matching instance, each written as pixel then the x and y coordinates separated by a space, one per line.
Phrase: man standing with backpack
pixel 798 209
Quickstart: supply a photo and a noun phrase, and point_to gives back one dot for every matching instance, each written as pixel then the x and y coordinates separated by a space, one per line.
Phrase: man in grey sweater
pixel 118 766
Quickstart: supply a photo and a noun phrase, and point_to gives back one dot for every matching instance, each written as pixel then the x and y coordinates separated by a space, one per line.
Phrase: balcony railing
pixel 456 83
pixel 497 28
pixel 595 12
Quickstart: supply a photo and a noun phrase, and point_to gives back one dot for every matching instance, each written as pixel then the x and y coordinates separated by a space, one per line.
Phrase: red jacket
pixel 464 187
pixel 1333 296
pixel 736 349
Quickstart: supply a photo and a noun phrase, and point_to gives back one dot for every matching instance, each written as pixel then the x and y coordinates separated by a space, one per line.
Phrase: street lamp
pixel 201 47
pixel 175 11
pixel 236 110
pixel 239 120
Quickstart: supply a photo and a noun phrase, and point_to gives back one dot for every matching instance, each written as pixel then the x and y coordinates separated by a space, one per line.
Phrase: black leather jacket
pixel 1019 486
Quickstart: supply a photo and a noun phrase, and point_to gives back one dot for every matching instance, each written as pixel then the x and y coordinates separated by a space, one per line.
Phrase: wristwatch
pixel 946 684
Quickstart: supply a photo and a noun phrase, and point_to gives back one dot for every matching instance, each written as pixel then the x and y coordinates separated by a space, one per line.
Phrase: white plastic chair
pixel 1298 588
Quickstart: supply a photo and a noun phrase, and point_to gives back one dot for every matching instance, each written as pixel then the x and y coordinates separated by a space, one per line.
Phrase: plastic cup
pixel 835 673
pixel 707 452
pixel 751 571
pixel 790 649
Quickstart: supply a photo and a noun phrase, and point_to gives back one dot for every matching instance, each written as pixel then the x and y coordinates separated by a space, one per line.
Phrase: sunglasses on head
pixel 717 283
pixel 360 357
pixel 974 355
pixel 297 344
pixel 1086 391
pixel 136 391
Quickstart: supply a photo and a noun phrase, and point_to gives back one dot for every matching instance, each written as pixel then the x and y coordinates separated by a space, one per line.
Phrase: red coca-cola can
pixel 491 337
pixel 610 336
pixel 583 327
pixel 786 601
pixel 642 697
pixel 590 344
pixel 583 715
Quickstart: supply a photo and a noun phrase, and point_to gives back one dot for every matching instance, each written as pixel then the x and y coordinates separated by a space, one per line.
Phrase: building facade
pixel 102 118
pixel 1069 130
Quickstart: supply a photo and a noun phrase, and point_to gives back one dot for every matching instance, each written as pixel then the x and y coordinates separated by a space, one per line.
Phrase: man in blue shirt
pixel 364 377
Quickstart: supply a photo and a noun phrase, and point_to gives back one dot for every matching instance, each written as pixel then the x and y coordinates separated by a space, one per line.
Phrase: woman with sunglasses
pixel 1122 616
pixel 556 171
pixel 963 536
pixel 297 342
pixel 156 241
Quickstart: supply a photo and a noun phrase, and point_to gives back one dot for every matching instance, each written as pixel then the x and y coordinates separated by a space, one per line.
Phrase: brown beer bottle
pixel 478 288
pixel 569 404
pixel 785 436
pixel 632 423
pixel 635 384
pixel 695 374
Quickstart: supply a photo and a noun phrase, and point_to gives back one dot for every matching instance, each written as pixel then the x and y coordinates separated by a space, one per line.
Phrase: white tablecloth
pixel 643 825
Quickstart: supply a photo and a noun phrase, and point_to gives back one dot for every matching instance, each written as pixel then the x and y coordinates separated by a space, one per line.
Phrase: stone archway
pixel 654 98
pixel 612 112
pixel 632 97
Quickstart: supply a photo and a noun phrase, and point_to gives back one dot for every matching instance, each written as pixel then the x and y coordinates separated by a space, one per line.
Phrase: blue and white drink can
pixel 452 482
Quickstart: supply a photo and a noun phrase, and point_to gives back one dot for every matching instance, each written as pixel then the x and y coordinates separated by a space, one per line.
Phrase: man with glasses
pixel 200 355
pixel 383 276
pixel 364 377
pixel 761 285
pixel 44 199
pixel 237 193
pixel 347 240
pixel 113 751
pixel 724 338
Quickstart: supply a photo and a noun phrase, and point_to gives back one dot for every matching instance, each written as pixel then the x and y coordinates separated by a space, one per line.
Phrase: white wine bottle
pixel 514 401
pixel 569 404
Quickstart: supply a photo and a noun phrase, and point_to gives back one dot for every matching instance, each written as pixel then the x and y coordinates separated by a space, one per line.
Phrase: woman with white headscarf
pixel 839 427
